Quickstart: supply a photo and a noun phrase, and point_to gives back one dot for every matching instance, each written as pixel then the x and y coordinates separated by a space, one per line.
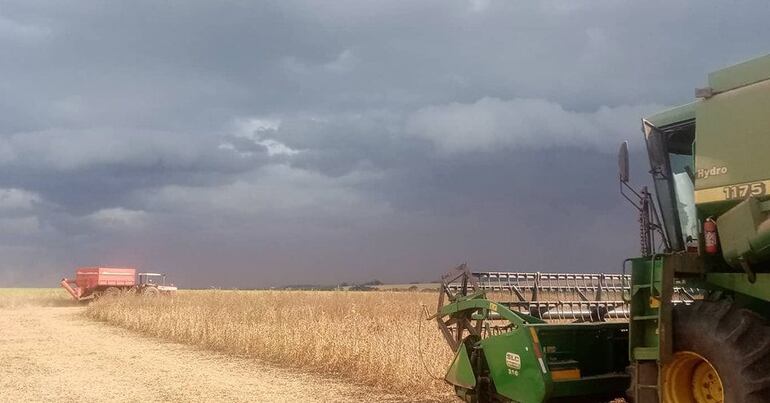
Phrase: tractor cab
pixel 152 283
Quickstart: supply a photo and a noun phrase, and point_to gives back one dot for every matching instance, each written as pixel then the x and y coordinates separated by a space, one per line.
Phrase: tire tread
pixel 736 341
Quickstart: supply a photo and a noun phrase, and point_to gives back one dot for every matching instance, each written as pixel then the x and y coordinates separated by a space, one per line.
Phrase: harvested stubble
pixel 368 337
pixel 11 298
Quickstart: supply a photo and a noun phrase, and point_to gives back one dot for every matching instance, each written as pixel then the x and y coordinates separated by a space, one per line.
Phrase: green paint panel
pixel 646 283
pixel 477 302
pixel 524 383
pixel 461 371
pixel 739 282
pixel 741 74
pixel 744 233
pixel 677 114
pixel 732 135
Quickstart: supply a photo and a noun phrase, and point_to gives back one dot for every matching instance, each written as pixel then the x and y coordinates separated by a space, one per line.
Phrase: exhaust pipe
pixel 65 284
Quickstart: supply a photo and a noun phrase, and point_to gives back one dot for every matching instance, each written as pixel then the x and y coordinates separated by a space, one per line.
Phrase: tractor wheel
pixel 721 354
pixel 151 291
pixel 112 292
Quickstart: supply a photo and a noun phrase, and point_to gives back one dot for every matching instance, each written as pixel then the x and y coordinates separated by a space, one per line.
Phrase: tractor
pixel 153 284
pixel 93 282
pixel 684 322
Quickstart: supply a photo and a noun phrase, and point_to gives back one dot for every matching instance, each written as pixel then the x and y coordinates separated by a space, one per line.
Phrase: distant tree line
pixel 367 286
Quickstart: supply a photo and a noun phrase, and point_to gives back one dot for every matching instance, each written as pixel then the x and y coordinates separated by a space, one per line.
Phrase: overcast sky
pixel 255 143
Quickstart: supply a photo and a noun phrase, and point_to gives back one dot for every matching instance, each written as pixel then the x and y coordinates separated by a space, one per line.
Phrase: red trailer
pixel 92 282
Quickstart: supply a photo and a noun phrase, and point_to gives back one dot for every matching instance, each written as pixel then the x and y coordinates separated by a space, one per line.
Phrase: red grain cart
pixel 93 282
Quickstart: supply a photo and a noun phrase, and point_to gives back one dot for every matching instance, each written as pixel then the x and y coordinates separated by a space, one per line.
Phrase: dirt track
pixel 55 354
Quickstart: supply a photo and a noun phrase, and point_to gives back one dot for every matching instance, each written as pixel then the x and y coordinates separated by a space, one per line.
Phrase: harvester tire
pixel 150 291
pixel 734 340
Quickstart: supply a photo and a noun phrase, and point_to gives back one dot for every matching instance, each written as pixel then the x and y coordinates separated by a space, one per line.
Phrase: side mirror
pixel 623 162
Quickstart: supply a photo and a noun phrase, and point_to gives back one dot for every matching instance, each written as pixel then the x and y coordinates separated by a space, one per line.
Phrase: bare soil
pixel 56 354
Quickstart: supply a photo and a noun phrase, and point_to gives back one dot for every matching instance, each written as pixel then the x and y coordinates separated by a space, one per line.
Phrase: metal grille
pixel 583 297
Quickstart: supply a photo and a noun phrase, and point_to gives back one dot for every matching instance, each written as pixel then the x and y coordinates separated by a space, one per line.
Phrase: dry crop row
pixel 373 338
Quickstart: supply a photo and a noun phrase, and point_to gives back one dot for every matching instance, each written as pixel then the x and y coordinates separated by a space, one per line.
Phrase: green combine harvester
pixel 686 322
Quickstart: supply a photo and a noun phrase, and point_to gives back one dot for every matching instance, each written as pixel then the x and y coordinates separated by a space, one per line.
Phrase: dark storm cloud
pixel 253 143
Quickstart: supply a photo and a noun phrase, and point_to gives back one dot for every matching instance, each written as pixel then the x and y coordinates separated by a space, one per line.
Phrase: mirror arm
pixel 638 196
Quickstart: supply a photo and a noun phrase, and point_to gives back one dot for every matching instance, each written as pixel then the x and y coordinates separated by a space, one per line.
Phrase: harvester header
pixel 513 337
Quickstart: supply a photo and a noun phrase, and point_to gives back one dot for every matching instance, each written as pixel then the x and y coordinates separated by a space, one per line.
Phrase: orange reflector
pixel 538 353
pixel 536 343
pixel 565 374
pixel 534 335
pixel 654 303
